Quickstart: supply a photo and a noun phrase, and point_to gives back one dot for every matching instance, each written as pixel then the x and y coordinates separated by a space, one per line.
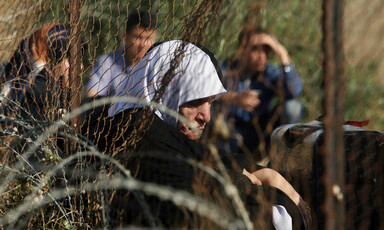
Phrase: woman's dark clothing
pixel 35 98
pixel 160 157
pixel 43 100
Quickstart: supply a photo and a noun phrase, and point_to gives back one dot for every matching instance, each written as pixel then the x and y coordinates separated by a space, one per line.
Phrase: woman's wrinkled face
pixel 197 112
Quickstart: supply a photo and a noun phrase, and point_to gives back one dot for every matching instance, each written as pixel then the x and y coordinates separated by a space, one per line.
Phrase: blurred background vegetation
pixel 296 23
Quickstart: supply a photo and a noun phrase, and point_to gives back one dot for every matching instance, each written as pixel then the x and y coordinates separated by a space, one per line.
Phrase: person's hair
pixel 247 32
pixel 58 42
pixel 143 19
pixel 244 37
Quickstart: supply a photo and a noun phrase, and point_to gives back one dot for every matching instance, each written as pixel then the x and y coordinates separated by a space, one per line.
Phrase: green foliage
pixel 364 97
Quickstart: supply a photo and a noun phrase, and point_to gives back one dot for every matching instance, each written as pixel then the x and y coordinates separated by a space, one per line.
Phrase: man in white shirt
pixel 111 70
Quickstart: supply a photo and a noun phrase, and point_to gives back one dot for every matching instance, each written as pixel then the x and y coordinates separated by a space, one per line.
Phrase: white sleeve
pixel 100 79
pixel 280 218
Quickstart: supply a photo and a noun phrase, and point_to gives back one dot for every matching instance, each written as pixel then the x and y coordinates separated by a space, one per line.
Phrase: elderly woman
pixel 155 146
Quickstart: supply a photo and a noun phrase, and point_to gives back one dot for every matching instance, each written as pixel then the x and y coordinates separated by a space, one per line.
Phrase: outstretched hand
pixel 267 176
pixel 252 177
pixel 248 100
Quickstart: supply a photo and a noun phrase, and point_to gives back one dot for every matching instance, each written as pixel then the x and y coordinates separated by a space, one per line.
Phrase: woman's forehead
pixel 198 102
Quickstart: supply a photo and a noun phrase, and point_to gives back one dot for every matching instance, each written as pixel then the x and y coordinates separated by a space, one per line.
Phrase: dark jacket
pixel 158 153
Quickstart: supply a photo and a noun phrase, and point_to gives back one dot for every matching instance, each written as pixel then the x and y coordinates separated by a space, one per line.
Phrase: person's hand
pixel 305 211
pixel 272 178
pixel 248 100
pixel 275 45
pixel 252 177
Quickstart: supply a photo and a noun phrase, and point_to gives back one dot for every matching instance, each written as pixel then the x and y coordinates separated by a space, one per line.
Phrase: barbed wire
pixel 45 150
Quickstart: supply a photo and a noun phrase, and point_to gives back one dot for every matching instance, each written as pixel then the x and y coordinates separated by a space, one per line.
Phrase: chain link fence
pixel 49 176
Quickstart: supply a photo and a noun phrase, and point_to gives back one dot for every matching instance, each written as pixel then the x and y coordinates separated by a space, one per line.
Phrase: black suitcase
pixel 295 153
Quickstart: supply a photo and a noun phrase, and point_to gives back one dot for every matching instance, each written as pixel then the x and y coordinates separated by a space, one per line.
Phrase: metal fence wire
pixel 67 163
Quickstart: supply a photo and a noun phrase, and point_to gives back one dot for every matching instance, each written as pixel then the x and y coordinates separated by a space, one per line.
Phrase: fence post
pixel 75 60
pixel 333 104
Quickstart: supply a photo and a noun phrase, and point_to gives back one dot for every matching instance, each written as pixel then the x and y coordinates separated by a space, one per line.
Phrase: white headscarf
pixel 194 77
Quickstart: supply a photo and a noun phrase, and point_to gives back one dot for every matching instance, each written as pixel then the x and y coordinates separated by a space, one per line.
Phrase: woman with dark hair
pixel 156 146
